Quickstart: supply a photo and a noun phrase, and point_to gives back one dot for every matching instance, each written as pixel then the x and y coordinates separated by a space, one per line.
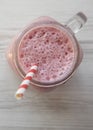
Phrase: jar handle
pixel 76 22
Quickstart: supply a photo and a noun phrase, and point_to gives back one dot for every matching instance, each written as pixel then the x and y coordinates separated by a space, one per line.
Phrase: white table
pixel 68 107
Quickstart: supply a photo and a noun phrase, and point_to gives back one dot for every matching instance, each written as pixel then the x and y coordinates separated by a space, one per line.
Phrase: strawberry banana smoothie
pixel 51 49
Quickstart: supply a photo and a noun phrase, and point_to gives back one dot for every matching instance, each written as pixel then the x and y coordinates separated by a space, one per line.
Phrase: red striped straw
pixel 24 85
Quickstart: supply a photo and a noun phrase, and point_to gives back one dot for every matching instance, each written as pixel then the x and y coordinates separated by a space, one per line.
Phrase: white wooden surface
pixel 68 107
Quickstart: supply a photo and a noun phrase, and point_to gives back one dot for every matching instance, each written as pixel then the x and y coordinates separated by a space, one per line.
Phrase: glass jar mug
pixel 50 45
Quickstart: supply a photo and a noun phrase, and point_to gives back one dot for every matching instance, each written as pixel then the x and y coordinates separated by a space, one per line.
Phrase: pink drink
pixel 52 49
pixel 52 46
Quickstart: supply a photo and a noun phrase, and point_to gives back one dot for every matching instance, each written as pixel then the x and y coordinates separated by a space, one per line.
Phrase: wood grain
pixel 68 107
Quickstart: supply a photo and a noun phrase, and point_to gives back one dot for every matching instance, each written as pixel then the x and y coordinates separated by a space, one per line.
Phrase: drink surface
pixel 51 49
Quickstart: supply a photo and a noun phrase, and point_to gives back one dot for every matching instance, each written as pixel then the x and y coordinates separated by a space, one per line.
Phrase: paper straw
pixel 24 85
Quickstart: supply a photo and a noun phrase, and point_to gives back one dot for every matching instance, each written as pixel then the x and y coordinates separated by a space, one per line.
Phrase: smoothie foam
pixel 52 49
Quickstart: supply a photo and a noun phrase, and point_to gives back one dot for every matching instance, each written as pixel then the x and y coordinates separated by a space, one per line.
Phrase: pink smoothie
pixel 52 49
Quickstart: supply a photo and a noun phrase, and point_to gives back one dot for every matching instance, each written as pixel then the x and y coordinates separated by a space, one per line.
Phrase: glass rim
pixel 69 73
